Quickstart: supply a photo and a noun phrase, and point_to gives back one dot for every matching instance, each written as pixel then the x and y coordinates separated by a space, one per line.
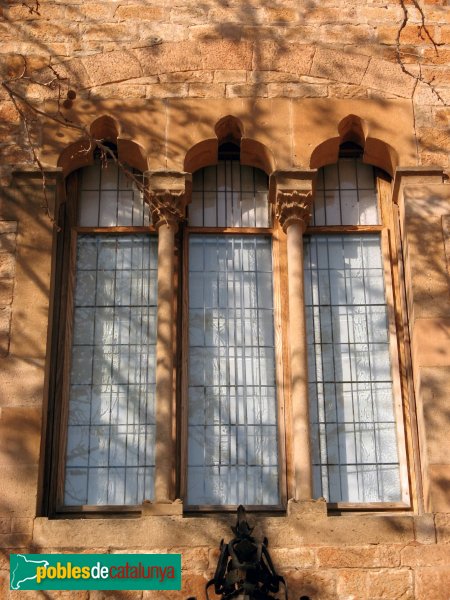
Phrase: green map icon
pixel 23 569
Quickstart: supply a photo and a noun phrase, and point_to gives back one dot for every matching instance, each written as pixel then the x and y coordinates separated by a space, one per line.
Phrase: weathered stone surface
pixel 385 75
pixel 118 91
pixel 192 585
pixel 430 284
pixel 297 90
pixel 205 90
pixel 194 559
pixel 439 482
pixel 281 15
pixel 424 528
pixel 339 66
pixel 14 540
pixel 442 521
pixel 435 389
pixel 19 493
pixel 278 56
pixel 347 91
pixel 5 325
pixel 20 434
pixel 188 77
pixel 7 265
pixel 5 526
pixel 191 56
pixel 4 584
pixel 432 336
pixel 140 12
pixel 315 584
pixel 294 558
pixel 166 90
pixel 432 583
pixel 112 595
pixel 22 382
pixel 390 585
pixel 111 67
pixel 7 242
pixel 423 556
pixel 286 533
pixel 230 76
pixel 6 291
pixel 358 557
pixel 21 525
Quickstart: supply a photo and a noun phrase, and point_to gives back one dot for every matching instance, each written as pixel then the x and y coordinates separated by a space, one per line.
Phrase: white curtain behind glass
pixel 232 454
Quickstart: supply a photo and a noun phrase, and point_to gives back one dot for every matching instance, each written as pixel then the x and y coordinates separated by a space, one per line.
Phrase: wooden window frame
pixel 64 268
pixel 60 362
pixel 279 279
pixel 400 361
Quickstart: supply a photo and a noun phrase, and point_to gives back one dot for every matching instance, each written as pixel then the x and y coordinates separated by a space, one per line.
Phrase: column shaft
pixel 165 448
pixel 299 368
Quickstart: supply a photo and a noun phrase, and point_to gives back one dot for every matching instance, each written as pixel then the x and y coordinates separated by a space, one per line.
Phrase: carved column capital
pixel 166 207
pixel 167 194
pixel 293 206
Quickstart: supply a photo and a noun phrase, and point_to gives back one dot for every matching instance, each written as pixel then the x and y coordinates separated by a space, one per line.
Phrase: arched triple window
pixel 354 392
pixel 232 422
pixel 231 407
pixel 107 445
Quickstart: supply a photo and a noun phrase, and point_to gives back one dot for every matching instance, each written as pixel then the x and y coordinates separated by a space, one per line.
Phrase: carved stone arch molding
pixel 230 129
pixel 106 128
pixel 354 129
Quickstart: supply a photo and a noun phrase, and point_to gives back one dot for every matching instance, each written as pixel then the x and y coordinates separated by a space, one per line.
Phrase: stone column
pixel 167 192
pixel 293 205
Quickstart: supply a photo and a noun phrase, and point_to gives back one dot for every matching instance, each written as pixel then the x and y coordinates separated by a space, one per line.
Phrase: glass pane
pixel 346 194
pixel 111 433
pixel 351 404
pixel 110 198
pixel 229 195
pixel 232 431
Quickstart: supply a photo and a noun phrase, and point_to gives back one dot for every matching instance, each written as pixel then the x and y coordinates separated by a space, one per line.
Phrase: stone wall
pixel 291 71
pixel 232 49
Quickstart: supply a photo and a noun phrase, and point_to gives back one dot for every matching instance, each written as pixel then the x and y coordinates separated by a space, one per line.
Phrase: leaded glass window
pixel 111 387
pixel 354 427
pixel 232 420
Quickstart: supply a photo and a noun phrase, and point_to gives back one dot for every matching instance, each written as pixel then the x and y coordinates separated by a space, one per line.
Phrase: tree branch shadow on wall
pixel 244 29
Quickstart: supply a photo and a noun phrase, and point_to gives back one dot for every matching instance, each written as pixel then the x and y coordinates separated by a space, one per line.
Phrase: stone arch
pixel 229 129
pixel 354 129
pixel 81 153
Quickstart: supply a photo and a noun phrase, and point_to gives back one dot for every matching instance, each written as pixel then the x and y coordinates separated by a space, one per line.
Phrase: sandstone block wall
pixel 233 49
pixel 290 70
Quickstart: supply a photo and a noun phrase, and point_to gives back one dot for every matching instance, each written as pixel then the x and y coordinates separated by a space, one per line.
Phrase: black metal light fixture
pixel 245 570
